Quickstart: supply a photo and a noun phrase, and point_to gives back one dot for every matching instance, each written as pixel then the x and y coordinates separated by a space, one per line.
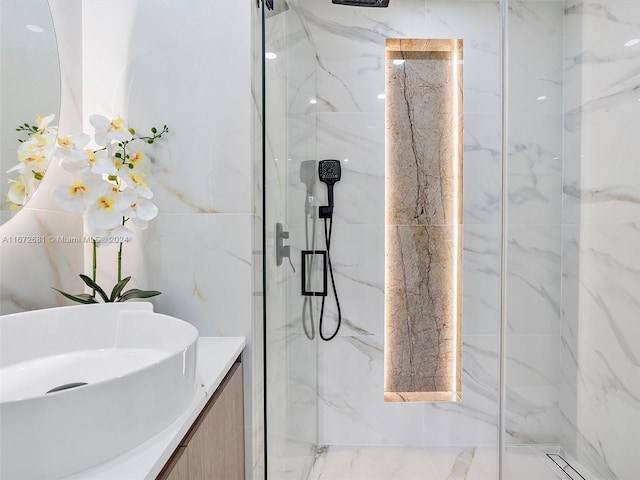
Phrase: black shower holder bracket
pixel 323 262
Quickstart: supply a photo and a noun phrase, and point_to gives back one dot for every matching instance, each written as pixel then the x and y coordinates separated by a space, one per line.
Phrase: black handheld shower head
pixel 329 172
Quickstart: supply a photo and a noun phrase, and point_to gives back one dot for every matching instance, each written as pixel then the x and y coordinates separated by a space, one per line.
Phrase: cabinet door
pixel 213 449
pixel 216 450
pixel 177 468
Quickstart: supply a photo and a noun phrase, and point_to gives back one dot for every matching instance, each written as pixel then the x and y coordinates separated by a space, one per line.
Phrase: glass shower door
pixel 290 220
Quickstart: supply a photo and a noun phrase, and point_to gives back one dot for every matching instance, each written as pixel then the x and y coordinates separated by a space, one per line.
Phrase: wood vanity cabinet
pixel 213 448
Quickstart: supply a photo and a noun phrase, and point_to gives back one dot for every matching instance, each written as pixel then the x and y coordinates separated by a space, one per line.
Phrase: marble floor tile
pixel 431 463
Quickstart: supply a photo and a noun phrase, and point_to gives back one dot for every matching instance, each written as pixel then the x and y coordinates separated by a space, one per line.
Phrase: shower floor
pixel 432 463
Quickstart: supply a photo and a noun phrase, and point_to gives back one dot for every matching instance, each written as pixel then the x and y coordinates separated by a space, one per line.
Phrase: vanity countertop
pixel 215 356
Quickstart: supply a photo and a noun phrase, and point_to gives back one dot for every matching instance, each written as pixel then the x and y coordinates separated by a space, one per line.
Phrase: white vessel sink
pixel 119 372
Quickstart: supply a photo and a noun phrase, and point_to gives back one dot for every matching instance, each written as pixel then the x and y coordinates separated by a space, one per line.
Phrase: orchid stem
pixel 120 256
pixel 120 263
pixel 94 267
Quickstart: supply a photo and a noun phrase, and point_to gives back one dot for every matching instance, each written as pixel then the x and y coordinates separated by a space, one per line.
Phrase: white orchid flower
pixel 43 122
pixel 138 209
pixel 38 141
pixel 19 167
pixel 125 197
pixel 136 182
pixel 104 212
pixel 34 153
pixel 101 162
pixel 141 212
pixel 107 130
pixel 72 153
pixel 82 192
pixel 17 193
pixel 35 161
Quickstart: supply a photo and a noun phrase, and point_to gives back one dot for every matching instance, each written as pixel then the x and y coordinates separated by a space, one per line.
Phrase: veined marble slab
pixel 423 218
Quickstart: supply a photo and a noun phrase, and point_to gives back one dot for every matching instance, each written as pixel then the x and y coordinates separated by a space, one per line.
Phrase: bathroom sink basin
pixel 82 384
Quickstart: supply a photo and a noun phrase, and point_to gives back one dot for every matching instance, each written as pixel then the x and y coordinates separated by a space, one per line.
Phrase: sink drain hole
pixel 67 386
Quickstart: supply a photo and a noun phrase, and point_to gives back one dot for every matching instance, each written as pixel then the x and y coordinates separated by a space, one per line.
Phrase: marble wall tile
pixel 302 389
pixel 204 121
pixel 473 420
pixel 203 271
pixel 534 269
pixel 535 167
pixel 478 23
pixel 351 406
pixel 601 78
pixel 482 168
pixel 40 250
pixel 357 140
pixel 532 374
pixel 600 400
pixel 536 142
pixel 535 199
pixel 608 414
pixel 481 280
pixel 536 74
pixel 349 46
pixel 609 65
pixel 357 256
pixel 289 459
pixel 600 273
pixel 608 274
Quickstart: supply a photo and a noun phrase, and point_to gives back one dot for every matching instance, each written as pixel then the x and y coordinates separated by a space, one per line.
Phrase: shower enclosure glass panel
pixel 290 139
pixel 573 368
pixel 326 414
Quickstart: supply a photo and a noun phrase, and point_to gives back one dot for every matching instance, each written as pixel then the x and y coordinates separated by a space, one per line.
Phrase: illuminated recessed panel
pixel 423 217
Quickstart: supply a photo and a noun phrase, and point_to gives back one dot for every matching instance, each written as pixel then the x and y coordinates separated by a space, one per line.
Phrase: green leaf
pixel 84 298
pixel 136 293
pixel 90 283
pixel 154 130
pixel 118 288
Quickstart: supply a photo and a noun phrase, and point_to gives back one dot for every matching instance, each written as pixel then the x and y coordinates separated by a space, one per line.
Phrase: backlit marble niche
pixel 423 217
